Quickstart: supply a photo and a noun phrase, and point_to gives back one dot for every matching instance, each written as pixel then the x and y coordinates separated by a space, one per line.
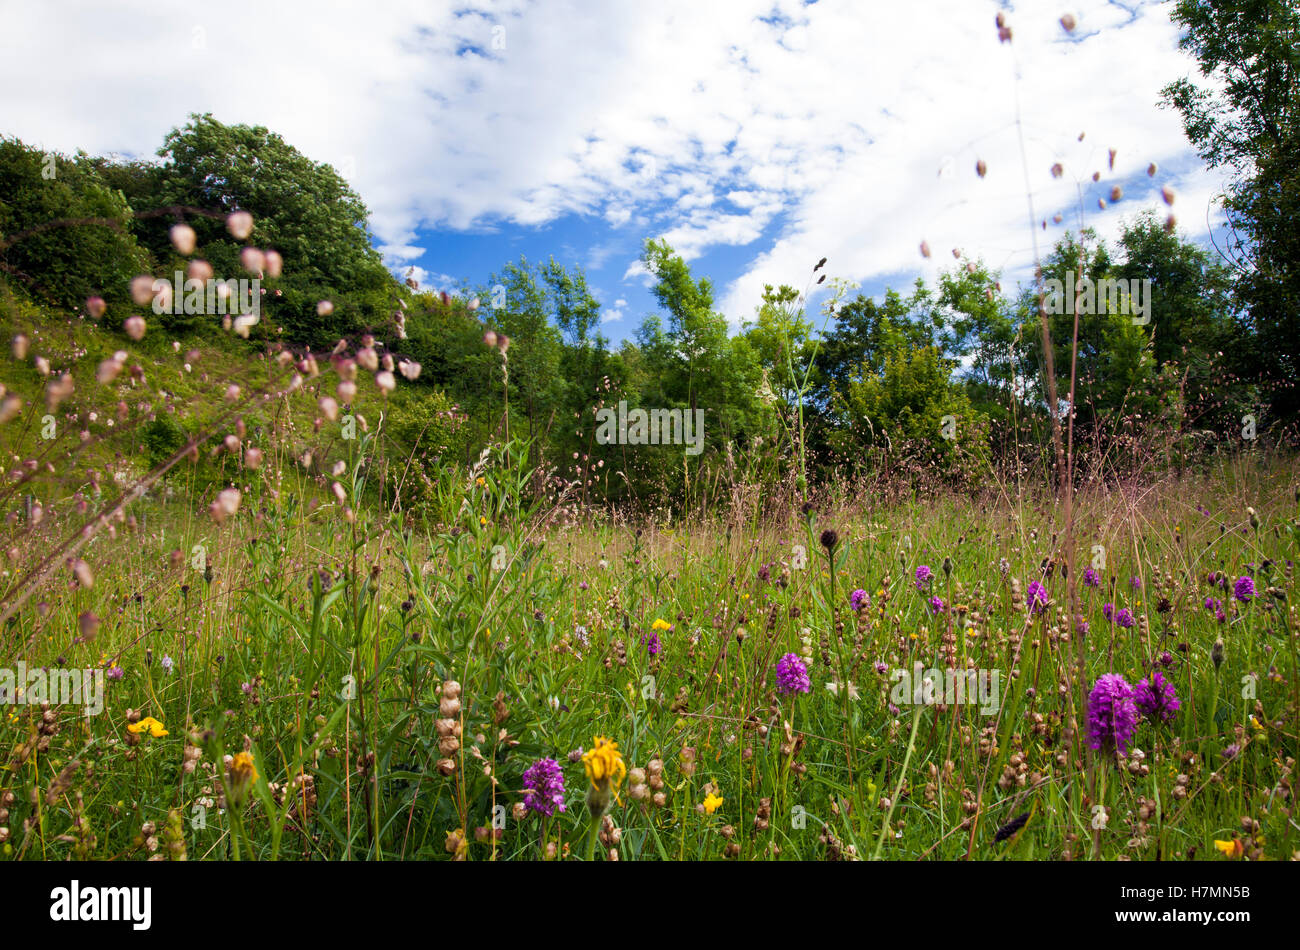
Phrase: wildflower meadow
pixel 305 561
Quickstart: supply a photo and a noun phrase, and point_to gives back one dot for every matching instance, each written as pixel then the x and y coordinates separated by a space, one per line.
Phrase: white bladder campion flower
pixel 226 505
pixel 142 289
pixel 240 225
pixel 273 263
pixel 252 260
pixel 183 238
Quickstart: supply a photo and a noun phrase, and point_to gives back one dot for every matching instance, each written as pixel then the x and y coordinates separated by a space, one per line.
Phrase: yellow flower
pixel 480 481
pixel 240 774
pixel 150 724
pixel 661 625
pixel 242 768
pixel 481 521
pixel 711 802
pixel 605 768
pixel 457 844
pixel 1232 849
pixel 604 763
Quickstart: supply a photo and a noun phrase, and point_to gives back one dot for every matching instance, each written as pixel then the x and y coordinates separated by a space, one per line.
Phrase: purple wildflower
pixel 1125 618
pixel 651 641
pixel 1112 714
pixel 936 605
pixel 1135 582
pixel 1037 597
pixel 1212 604
pixel 115 672
pixel 1244 589
pixel 792 675
pixel 1155 698
pixel 167 663
pixel 1091 578
pixel 545 783
pixel 859 599
pixel 764 574
pixel 1108 611
pixel 923 577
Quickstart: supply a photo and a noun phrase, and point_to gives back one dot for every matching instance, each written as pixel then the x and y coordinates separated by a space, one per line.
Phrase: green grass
pixel 322 646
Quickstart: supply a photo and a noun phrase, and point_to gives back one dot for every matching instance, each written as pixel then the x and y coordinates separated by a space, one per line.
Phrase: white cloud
pixel 694 121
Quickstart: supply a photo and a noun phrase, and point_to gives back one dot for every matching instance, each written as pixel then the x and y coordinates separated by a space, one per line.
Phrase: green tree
pixel 865 333
pixel 1244 119
pixel 1196 331
pixel 301 208
pixel 975 326
pixel 913 409
pixel 1114 369
pixel 65 233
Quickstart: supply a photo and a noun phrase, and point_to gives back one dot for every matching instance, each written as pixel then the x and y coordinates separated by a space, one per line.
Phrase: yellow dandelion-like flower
pixel 661 625
pixel 240 774
pixel 711 802
pixel 481 521
pixel 1232 849
pixel 242 767
pixel 606 770
pixel 604 763
pixel 480 481
pixel 148 724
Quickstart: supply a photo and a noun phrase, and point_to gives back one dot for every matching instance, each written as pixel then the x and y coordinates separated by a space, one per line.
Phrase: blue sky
pixel 756 137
